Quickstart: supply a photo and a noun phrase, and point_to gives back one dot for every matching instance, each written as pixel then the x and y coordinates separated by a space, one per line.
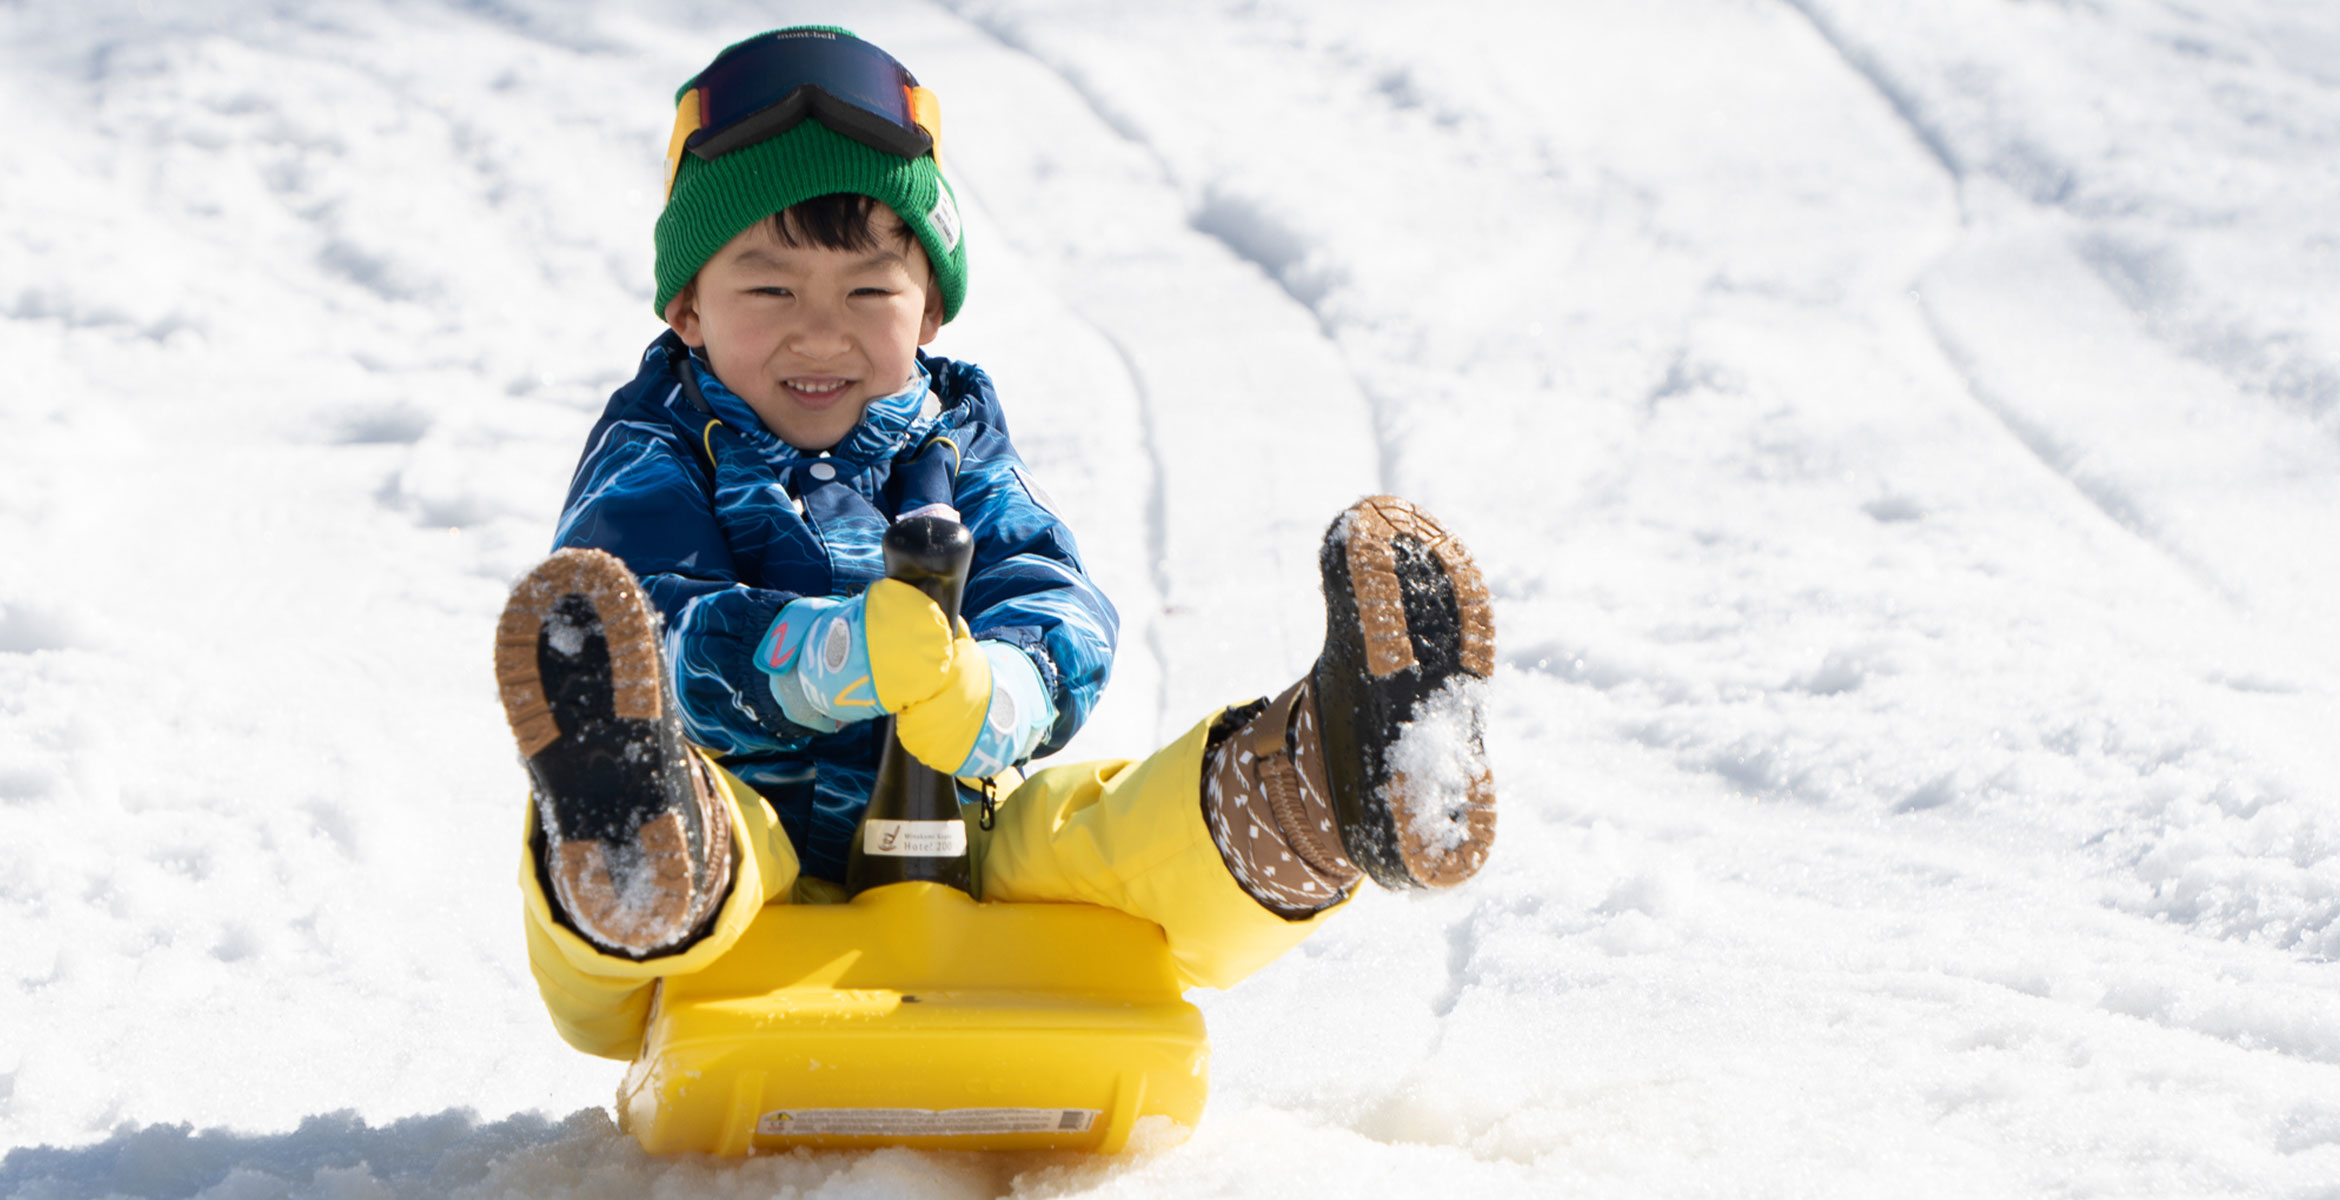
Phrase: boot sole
pixel 615 804
pixel 1409 634
pixel 627 626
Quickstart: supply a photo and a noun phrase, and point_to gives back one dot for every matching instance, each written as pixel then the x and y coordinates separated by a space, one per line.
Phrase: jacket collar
pixel 886 426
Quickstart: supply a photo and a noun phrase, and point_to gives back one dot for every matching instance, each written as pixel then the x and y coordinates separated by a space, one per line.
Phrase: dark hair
pixel 837 221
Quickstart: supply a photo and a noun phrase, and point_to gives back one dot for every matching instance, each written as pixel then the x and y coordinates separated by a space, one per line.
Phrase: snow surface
pixel 1903 441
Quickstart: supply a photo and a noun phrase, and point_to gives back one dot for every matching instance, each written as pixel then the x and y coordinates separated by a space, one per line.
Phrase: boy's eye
pixel 768 291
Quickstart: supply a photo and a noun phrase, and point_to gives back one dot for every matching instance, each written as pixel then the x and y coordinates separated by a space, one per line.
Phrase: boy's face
pixel 808 335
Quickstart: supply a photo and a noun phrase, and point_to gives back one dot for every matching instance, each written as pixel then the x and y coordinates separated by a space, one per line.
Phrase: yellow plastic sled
pixel 915 1016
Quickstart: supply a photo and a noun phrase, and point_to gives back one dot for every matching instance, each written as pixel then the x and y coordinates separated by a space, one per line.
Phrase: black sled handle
pixel 931 554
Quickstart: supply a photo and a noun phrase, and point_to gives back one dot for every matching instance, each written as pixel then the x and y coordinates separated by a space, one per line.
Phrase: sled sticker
pixel 915 839
pixel 923 1122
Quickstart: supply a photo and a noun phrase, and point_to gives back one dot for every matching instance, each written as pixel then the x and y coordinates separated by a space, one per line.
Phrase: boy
pixel 735 494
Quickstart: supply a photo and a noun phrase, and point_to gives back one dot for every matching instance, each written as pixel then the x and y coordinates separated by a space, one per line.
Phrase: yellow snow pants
pixel 1124 834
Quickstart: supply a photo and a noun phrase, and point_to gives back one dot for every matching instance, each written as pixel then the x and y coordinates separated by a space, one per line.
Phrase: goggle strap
pixel 926 113
pixel 688 116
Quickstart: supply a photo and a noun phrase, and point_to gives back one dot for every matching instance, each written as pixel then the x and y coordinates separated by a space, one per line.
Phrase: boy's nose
pixel 818 337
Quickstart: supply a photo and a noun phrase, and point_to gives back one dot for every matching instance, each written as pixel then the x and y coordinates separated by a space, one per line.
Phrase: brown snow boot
pixel 1270 809
pixel 1374 762
pixel 634 833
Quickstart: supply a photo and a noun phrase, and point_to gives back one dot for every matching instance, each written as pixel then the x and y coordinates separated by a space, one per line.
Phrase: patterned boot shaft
pixel 1270 810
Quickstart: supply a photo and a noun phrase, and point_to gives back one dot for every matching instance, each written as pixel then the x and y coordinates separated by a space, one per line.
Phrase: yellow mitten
pixel 888 650
pixel 911 648
pixel 941 729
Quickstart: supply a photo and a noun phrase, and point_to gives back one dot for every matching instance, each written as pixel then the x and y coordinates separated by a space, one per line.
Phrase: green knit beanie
pixel 713 201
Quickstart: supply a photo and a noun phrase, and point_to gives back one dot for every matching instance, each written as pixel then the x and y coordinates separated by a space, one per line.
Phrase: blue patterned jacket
pixel 723 525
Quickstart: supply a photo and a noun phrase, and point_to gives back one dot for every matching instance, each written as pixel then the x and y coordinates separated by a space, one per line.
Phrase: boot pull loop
pixel 1268 729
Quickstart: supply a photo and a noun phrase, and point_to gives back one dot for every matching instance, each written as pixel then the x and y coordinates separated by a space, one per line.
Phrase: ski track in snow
pixel 1280 251
pixel 1157 540
pixel 1904 443
pixel 2042 444
pixel 2060 455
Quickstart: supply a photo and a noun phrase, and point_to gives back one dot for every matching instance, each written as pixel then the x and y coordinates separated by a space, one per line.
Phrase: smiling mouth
pixel 816 391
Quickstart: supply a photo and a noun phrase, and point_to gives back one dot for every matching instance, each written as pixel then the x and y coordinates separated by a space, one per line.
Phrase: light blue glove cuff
pixel 1020 716
pixel 815 659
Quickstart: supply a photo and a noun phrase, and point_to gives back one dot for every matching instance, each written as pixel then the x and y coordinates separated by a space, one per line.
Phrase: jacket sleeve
pixel 1027 587
pixel 642 495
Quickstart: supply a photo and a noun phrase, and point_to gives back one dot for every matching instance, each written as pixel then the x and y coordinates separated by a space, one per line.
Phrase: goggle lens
pixel 764 87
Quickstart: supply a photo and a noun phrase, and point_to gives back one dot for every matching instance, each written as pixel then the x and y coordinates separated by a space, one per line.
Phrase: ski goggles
pixel 765 86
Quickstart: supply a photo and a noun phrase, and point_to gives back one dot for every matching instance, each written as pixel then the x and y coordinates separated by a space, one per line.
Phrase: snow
pixel 566 635
pixel 1436 754
pixel 1903 442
